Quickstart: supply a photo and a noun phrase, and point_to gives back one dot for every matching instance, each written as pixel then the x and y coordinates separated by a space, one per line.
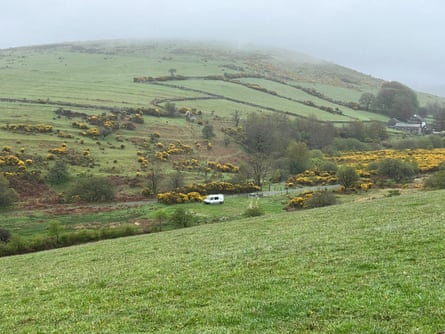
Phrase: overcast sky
pixel 398 40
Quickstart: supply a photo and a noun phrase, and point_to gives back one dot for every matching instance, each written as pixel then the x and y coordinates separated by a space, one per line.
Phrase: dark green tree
pixel 397 101
pixel 314 133
pixel 259 133
pixel 367 100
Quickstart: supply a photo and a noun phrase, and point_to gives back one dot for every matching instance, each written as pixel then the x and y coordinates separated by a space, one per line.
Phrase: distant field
pixel 371 267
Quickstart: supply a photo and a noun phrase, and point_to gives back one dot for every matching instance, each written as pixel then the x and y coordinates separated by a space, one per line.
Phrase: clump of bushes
pixel 437 180
pixel 347 176
pixel 7 195
pixel 179 197
pixel 313 178
pixel 311 199
pixel 5 235
pixel 29 128
pixel 253 210
pixel 182 218
pixel 396 170
pixel 91 189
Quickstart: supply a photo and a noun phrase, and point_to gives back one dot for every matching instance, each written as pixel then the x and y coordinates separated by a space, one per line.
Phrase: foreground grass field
pixel 370 267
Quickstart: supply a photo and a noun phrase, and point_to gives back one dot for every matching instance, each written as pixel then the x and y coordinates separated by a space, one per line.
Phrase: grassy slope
pixel 102 74
pixel 374 267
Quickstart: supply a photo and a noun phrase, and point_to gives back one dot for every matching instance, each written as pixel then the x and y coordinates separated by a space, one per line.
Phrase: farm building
pixel 415 124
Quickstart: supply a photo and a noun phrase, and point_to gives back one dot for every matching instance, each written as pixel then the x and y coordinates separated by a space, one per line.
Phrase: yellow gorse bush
pixel 427 159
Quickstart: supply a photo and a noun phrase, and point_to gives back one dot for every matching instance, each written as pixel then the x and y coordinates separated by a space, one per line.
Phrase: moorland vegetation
pixel 122 122
pixel 102 140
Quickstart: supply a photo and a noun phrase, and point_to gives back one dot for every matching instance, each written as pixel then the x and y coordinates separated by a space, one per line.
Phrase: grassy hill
pixel 363 267
pixel 99 79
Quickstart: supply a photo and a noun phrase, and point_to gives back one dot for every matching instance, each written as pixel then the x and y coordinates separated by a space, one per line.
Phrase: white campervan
pixel 214 199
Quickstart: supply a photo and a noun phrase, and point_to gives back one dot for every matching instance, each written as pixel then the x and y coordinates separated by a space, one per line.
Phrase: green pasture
pixel 330 91
pixel 222 108
pixel 242 93
pixel 350 93
pixel 368 267
pixel 33 224
pixel 90 78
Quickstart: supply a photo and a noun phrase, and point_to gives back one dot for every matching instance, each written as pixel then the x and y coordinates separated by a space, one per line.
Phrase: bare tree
pixel 155 177
pixel 260 166
pixel 176 180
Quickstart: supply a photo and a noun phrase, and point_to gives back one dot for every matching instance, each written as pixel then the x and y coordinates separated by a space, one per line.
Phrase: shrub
pixel 328 166
pixel 179 197
pixel 395 192
pixel 5 235
pixel 207 131
pixel 253 212
pixel 311 199
pixel 7 195
pixel 320 199
pixel 348 144
pixel 181 218
pixel 437 180
pixel 58 174
pixel 54 230
pixel 91 189
pixel 161 217
pixel 394 169
pixel 254 209
pixel 347 176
